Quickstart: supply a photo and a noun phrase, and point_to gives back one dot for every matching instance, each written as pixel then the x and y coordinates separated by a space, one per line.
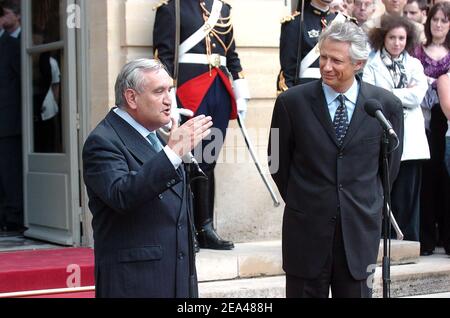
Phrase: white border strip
pixel 43 292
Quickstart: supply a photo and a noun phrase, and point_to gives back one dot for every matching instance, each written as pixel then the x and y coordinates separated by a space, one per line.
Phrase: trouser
pixel 335 274
pixel 11 170
pixel 405 197
pixel 434 193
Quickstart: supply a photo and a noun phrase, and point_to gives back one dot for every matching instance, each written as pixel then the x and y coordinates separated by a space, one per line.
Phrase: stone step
pixel 262 287
pixel 431 274
pixel 253 270
pixel 257 259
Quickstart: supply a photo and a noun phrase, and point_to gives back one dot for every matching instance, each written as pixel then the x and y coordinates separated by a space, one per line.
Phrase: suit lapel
pixel 134 141
pixel 320 109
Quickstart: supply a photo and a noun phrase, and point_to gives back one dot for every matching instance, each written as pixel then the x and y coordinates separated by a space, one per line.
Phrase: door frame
pixel 84 118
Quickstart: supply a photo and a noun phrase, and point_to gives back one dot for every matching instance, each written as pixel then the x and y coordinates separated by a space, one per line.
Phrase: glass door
pixel 49 85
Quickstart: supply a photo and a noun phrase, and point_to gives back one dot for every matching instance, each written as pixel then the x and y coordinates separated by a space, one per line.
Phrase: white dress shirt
pixel 351 95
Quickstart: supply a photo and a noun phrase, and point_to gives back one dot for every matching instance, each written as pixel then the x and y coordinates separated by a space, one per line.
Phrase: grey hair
pixel 351 33
pixel 132 77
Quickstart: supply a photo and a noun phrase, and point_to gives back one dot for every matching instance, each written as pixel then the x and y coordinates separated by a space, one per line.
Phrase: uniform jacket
pixel 289 42
pixel 191 20
pixel 142 231
pixel 10 87
pixel 320 181
pixel 415 143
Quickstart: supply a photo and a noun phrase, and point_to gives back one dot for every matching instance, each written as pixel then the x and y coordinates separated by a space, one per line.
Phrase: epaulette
pixel 289 17
pixel 160 4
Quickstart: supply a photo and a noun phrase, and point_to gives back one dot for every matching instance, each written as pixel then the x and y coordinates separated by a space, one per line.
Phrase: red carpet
pixel 46 269
pixel 67 295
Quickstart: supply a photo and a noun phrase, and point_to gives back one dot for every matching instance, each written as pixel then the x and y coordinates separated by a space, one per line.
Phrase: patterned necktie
pixel 340 120
pixel 155 141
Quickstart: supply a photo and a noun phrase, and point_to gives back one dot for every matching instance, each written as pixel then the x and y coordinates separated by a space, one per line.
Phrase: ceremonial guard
pixel 195 40
pixel 316 17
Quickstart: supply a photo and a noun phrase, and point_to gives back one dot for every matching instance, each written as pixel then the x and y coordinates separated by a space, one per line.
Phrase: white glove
pixel 242 107
pixel 242 94
pixel 176 112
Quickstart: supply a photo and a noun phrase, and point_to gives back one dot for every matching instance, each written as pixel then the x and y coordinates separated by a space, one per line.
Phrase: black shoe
pixel 12 228
pixel 426 253
pixel 208 238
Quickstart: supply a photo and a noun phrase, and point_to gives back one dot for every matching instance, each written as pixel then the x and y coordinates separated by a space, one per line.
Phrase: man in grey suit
pixel 329 171
pixel 137 193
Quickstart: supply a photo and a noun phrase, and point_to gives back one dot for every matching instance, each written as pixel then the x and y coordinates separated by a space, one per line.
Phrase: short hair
pixel 351 33
pixel 388 23
pixel 13 5
pixel 359 2
pixel 445 8
pixel 132 77
pixel 422 4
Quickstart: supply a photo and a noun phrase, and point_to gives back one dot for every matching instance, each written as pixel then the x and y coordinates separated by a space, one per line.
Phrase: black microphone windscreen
pixel 371 106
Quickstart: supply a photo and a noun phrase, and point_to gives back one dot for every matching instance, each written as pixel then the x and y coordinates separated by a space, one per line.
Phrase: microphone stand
pixel 386 217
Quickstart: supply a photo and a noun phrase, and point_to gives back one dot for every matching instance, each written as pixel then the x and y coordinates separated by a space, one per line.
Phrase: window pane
pixel 46 21
pixel 47 106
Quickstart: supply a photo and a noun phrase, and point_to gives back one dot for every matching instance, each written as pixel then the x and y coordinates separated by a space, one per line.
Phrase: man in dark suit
pixel 11 199
pixel 11 17
pixel 328 171
pixel 137 193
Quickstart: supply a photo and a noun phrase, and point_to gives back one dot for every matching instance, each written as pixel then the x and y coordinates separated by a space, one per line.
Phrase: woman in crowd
pixel 435 58
pixel 395 70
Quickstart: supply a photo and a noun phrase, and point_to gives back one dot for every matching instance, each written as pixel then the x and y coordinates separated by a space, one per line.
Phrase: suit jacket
pixel 415 143
pixel 141 223
pixel 10 87
pixel 320 181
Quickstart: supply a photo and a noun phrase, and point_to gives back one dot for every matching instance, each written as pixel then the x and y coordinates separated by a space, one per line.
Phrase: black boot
pixel 208 238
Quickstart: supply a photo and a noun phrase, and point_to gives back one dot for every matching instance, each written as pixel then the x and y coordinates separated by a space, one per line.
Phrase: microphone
pixel 375 109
